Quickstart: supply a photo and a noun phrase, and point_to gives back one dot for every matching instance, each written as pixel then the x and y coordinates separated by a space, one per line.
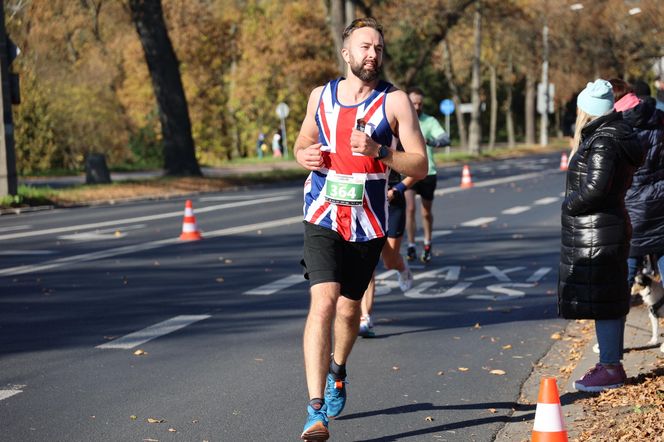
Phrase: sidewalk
pixel 578 411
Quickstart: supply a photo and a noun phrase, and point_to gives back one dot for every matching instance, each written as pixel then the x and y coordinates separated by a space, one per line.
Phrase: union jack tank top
pixel 366 218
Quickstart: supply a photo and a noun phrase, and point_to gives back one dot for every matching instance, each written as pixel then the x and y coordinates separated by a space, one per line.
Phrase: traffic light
pixel 14 83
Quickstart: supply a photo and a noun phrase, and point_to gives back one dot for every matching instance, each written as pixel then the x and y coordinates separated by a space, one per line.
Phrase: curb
pixel 638 357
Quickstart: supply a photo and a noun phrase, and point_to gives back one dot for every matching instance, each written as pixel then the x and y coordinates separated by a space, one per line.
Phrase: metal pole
pixel 544 122
pixel 447 128
pixel 283 137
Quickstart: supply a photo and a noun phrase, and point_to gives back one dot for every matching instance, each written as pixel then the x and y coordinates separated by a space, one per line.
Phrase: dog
pixel 651 290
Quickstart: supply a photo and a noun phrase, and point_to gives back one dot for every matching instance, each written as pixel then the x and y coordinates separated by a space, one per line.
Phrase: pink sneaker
pixel 600 379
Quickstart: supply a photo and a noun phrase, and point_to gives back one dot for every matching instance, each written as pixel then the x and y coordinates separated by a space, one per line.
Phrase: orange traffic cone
pixel 563 161
pixel 549 425
pixel 466 180
pixel 189 229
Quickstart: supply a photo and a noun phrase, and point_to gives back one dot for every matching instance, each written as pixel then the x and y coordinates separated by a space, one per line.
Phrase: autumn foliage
pixel 86 87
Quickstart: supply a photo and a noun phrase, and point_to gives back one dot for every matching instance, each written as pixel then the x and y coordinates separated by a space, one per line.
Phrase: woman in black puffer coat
pixel 596 229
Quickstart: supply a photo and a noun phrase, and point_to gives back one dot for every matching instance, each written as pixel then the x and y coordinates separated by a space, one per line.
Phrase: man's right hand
pixel 310 157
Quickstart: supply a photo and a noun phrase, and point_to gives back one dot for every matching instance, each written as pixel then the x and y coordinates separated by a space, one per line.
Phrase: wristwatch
pixel 383 150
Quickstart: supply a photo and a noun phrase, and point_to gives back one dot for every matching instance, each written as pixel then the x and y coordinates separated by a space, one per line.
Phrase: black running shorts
pixel 329 258
pixel 426 187
pixel 396 223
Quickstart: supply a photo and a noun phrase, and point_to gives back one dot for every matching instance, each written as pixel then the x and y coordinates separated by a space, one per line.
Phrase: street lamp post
pixel 544 121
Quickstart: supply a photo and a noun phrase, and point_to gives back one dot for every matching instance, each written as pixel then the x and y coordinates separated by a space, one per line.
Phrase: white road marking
pixel 496 181
pixel 547 200
pixel 417 292
pixel 478 221
pixel 135 339
pixel 515 210
pixel 435 234
pixel 13 228
pixel 20 270
pixel 500 275
pixel 386 274
pixel 539 274
pixel 25 252
pixel 273 287
pixel 139 219
pixel 241 196
pixel 99 235
pixel 4 394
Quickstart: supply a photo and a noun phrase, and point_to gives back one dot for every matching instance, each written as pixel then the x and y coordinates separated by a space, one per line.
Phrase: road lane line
pixel 135 339
pixel 497 181
pixel 13 228
pixel 275 286
pixel 434 234
pixel 479 221
pixel 98 235
pixel 141 218
pixel 20 270
pixel 515 210
pixel 547 200
pixel 236 197
pixel 25 252
pixel 4 394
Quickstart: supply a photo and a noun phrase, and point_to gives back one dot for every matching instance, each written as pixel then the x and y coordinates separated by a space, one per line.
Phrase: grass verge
pixel 167 187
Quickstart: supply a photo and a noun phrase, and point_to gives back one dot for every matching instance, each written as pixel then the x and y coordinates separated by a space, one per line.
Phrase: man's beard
pixel 365 75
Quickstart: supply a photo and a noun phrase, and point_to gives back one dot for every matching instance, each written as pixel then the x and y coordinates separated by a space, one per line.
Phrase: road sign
pixel 282 110
pixel 466 108
pixel 447 107
pixel 541 98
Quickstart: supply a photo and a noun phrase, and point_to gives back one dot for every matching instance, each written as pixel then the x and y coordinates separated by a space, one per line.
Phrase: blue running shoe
pixel 335 395
pixel 315 428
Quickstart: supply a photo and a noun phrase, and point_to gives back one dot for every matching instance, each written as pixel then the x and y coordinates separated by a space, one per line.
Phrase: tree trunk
pixel 475 130
pixel 179 151
pixel 530 109
pixel 494 108
pixel 451 80
pixel 509 118
pixel 336 17
pixel 349 11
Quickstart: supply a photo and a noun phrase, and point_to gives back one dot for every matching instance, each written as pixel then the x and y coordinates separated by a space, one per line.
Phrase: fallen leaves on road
pixel 133 417
pixel 498 372
pixel 557 336
pixel 463 369
pixel 429 419
pixel 140 352
pixel 440 373
pixel 154 420
pixel 507 347
pixel 492 410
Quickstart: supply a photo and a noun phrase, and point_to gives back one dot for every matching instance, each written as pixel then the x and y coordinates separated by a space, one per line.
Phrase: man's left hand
pixel 362 143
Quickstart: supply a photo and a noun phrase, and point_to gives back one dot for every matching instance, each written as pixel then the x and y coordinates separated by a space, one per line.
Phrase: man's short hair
pixel 367 22
pixel 415 90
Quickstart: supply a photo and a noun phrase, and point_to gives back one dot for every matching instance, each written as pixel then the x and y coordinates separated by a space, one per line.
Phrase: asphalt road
pixel 220 320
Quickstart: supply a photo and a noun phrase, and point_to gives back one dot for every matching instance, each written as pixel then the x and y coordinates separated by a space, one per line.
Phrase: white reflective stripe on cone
pixel 188 212
pixel 189 228
pixel 548 418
